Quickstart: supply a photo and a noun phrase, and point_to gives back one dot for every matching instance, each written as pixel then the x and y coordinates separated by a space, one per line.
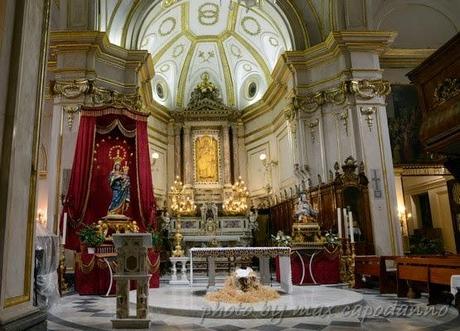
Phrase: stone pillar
pixel 242 155
pixel 226 148
pixel 24 44
pixel 188 156
pixel 236 162
pixel 177 151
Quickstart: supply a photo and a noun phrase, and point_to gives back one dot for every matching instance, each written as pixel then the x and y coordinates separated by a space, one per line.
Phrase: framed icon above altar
pixel 207 157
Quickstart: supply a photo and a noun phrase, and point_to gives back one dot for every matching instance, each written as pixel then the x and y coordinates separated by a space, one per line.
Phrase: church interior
pixel 230 165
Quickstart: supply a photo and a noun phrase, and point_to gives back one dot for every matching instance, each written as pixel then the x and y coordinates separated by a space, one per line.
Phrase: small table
pixel 263 253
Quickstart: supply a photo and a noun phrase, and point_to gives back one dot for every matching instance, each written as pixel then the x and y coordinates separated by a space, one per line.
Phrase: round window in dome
pixel 252 90
pixel 160 91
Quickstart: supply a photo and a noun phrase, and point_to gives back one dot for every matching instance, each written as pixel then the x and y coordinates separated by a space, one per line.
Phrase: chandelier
pixel 181 203
pixel 237 202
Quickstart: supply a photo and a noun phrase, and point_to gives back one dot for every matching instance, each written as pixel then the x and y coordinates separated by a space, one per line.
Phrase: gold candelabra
pixel 237 202
pixel 347 262
pixel 181 204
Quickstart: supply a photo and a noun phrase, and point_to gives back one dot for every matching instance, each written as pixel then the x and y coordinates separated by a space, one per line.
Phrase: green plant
pixel 91 236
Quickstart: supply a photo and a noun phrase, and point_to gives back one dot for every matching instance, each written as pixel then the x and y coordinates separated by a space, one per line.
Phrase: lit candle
pixel 345 223
pixel 64 229
pixel 339 222
pixel 350 219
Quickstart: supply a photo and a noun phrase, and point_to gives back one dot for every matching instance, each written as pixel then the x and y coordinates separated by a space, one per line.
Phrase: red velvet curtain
pixel 78 191
pixel 89 193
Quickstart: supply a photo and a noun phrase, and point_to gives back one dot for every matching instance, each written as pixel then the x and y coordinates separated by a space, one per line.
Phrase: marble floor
pixel 375 312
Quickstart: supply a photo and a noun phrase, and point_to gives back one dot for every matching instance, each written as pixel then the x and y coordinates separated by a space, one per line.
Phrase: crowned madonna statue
pixel 120 184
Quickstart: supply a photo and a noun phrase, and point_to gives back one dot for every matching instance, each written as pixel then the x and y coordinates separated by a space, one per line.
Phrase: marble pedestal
pixel 183 280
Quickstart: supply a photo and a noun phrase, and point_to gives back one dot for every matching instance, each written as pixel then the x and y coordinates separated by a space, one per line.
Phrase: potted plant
pixel 91 237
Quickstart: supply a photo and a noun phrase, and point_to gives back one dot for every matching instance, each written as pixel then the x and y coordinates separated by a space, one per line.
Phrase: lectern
pixel 132 265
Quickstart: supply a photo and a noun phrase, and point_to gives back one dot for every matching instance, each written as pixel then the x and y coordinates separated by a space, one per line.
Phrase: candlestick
pixel 64 229
pixel 350 219
pixel 345 223
pixel 339 222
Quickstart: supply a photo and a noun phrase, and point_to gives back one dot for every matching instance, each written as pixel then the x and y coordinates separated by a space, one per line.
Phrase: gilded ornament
pixel 71 89
pixel 368 89
pixel 250 25
pixel 70 110
pixel 208 13
pixel 368 112
pixel 446 90
pixel 168 3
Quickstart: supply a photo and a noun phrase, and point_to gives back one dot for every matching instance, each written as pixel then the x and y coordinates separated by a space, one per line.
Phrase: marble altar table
pixel 263 253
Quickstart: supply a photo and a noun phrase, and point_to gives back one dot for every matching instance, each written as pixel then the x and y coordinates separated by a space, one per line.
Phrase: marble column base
pixel 35 321
pixel 130 323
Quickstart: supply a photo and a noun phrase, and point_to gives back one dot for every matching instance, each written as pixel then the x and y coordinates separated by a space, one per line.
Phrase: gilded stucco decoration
pixel 368 89
pixel 98 96
pixel 360 89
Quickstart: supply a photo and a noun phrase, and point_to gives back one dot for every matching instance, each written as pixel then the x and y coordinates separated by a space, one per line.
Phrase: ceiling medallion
pixel 250 25
pixel 178 50
pixel 167 26
pixel 206 56
pixel 236 52
pixel 247 67
pixel 145 41
pixel 273 41
pixel 208 13
pixel 165 67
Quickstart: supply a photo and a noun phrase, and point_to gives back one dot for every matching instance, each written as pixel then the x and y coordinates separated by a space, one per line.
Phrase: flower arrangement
pixel 331 238
pixel 282 240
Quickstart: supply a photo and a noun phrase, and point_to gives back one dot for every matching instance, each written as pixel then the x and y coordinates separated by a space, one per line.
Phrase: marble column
pixel 236 164
pixel 177 151
pixel 242 155
pixel 226 147
pixel 188 156
pixel 24 45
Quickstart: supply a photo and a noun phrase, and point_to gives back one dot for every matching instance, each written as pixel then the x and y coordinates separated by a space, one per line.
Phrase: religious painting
pixel 404 120
pixel 206 159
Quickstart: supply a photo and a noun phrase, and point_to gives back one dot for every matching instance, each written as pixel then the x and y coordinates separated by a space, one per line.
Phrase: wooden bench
pixel 376 267
pixel 433 273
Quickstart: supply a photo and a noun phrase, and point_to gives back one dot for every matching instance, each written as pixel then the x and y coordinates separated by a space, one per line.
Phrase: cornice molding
pixel 404 57
pixel 339 42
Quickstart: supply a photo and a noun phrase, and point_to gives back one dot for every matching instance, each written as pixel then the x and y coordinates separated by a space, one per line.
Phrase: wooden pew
pixel 376 267
pixel 432 272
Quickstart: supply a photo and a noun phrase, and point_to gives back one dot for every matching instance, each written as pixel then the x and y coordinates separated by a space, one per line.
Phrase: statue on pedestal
pixel 120 184
pixel 304 209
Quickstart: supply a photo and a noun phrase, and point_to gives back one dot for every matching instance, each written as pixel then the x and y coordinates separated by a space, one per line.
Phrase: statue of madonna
pixel 120 184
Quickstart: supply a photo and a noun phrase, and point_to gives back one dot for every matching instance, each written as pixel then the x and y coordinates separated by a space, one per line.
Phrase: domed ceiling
pixel 237 46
